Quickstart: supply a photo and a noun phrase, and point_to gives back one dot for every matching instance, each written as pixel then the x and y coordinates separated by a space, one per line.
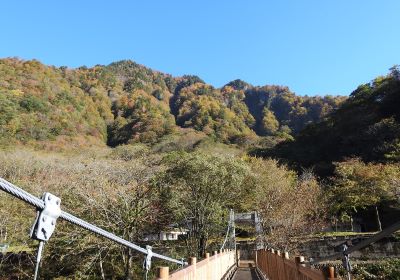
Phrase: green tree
pixel 199 190
pixel 140 118
pixel 270 124
pixel 358 185
pixel 289 205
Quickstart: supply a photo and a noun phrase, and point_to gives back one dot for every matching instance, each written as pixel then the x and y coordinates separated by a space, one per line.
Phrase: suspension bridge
pixel 224 264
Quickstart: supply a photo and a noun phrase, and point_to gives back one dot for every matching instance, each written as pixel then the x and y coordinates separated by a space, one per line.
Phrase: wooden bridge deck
pixel 246 271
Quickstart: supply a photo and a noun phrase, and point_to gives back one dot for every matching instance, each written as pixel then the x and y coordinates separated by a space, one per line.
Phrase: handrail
pixel 276 266
pixel 219 266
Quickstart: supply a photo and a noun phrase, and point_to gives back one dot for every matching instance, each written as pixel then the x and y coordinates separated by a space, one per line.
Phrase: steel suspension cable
pixel 231 225
pixel 38 203
pixel 226 235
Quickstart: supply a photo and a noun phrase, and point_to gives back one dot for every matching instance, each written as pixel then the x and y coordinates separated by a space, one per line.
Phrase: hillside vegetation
pixel 125 103
pixel 366 125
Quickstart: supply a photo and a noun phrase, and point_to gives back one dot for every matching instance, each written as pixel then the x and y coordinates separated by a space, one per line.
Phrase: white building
pixel 169 234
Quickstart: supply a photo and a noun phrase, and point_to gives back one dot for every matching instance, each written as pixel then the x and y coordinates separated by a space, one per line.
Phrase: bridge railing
pixel 277 266
pixel 219 266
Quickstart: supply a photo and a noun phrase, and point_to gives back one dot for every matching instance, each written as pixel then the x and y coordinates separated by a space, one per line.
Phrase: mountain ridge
pixel 127 102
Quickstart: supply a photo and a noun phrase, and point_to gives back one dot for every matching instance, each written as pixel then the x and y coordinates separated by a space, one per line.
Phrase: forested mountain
pixel 276 108
pixel 125 102
pixel 366 125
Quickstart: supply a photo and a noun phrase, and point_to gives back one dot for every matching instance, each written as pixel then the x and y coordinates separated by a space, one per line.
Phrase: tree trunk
pixel 336 219
pixel 351 222
pixel 202 246
pixel 3 234
pixel 128 267
pixel 378 219
pixel 101 268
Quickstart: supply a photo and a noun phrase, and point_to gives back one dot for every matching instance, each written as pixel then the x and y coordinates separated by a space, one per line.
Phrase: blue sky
pixel 312 46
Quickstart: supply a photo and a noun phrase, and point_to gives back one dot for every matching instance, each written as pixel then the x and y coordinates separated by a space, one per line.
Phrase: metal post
pixel 45 225
pixel 38 259
pixel 346 261
pixel 232 218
